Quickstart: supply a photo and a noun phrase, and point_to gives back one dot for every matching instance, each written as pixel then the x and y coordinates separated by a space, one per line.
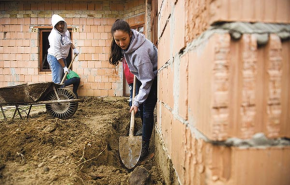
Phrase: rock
pixel 50 128
pixel 54 157
pixel 139 176
pixel 40 165
pixel 2 166
pixel 46 169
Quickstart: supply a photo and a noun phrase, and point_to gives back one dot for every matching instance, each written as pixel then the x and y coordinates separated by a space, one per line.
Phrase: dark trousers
pixel 76 82
pixel 131 92
pixel 147 111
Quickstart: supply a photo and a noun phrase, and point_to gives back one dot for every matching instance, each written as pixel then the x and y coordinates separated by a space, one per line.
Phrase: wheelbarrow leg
pixel 29 111
pixel 16 110
pixel 3 113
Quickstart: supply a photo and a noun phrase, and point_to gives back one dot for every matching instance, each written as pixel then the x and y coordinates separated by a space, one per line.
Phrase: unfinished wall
pixel 224 92
pixel 90 21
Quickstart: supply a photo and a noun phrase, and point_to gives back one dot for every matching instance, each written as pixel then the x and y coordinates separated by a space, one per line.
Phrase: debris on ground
pixel 80 150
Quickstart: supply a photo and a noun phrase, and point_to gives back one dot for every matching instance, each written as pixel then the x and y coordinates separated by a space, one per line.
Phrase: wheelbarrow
pixel 59 102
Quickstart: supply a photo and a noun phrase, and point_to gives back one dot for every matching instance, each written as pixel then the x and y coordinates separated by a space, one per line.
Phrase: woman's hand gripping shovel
pixel 130 147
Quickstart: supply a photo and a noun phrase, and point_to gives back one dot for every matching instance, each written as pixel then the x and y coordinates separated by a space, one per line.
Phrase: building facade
pixel 223 77
pixel 25 26
pixel 224 91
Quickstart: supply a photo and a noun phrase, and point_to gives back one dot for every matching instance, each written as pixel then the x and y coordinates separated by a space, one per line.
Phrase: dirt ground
pixel 80 150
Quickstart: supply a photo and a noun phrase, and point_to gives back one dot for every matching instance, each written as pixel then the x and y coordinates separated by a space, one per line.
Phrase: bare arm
pixel 61 62
pixel 72 46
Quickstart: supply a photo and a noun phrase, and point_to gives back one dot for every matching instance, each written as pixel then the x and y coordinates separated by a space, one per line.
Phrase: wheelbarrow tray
pixel 60 102
pixel 25 93
pixel 38 91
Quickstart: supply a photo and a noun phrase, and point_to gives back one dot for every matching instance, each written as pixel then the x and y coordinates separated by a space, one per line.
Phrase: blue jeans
pixel 76 82
pixel 147 111
pixel 56 69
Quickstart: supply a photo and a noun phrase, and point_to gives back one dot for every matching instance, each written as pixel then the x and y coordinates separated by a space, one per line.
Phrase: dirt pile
pixel 80 150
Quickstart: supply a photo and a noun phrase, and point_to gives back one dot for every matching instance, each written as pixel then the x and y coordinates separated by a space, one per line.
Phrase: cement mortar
pixel 260 30
pixel 237 29
pixel 258 140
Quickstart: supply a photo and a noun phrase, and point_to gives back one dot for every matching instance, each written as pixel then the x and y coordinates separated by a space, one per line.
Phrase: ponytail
pixel 116 53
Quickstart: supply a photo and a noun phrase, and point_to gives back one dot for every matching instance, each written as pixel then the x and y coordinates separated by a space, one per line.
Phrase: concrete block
pixel 275 71
pixel 183 87
pixel 264 166
pixel 285 94
pixel 166 127
pixel 238 89
pixel 164 52
pixel 200 14
pixel 160 85
pixel 177 145
pixel 204 163
pixel 165 13
pixel 199 86
pixel 165 91
pixel 194 160
pixel 179 28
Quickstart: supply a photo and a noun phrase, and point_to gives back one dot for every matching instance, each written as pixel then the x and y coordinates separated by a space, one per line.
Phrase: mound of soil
pixel 80 150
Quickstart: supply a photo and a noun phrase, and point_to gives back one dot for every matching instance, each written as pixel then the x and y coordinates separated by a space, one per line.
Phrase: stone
pixel 139 176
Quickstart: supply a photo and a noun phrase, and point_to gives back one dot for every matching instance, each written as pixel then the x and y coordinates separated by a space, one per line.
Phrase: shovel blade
pixel 130 150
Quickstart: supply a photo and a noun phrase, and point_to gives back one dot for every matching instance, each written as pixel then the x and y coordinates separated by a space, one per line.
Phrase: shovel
pixel 130 147
pixel 64 76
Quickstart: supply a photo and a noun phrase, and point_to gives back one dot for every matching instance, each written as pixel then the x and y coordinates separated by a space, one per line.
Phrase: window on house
pixel 139 28
pixel 43 47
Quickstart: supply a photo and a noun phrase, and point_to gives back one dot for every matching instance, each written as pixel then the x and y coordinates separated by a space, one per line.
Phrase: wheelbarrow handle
pixel 68 68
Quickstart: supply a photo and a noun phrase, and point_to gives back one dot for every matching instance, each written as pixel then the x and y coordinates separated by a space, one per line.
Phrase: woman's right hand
pixel 65 69
pixel 134 108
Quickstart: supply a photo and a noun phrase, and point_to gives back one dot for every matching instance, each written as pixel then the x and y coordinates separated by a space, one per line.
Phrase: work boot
pixel 145 149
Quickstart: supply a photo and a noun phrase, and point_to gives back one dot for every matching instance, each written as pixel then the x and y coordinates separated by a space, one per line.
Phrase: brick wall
pixel 223 94
pixel 90 21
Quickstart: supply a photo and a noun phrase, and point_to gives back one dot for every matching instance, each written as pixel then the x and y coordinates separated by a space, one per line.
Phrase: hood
pixel 137 40
pixel 55 19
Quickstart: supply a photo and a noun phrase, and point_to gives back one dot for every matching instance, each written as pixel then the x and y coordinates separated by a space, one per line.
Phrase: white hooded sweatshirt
pixel 60 43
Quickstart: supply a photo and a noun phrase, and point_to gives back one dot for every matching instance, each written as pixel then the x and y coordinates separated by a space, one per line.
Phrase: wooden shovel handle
pixel 132 122
pixel 68 68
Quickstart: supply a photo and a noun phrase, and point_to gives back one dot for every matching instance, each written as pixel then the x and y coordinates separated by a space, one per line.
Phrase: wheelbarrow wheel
pixel 62 110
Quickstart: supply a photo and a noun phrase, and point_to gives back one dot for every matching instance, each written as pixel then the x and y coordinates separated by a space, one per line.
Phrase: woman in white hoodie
pixel 60 44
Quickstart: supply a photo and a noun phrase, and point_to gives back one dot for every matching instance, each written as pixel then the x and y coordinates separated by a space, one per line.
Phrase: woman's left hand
pixel 134 108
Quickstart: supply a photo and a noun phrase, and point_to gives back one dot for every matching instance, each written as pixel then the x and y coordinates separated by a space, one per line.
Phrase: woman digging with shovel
pixel 141 57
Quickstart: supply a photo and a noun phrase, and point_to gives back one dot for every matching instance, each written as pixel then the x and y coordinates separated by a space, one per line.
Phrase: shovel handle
pixel 132 122
pixel 68 68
